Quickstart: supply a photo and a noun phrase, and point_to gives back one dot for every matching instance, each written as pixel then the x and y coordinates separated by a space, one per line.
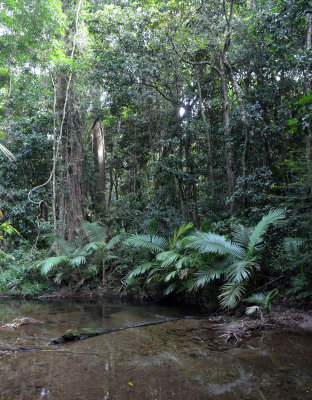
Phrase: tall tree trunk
pixel 248 129
pixel 227 132
pixel 100 156
pixel 71 198
pixel 209 144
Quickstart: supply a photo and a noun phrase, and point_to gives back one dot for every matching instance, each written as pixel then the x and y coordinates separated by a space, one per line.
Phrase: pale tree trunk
pixel 100 156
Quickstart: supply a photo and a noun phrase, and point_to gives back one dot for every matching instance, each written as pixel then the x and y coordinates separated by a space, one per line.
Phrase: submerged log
pixel 79 334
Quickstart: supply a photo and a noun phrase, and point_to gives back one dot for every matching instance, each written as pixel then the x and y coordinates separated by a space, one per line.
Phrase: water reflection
pixel 177 360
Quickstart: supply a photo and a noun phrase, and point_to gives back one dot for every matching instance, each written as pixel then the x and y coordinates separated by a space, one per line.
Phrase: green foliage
pixel 67 266
pixel 240 257
pixel 262 301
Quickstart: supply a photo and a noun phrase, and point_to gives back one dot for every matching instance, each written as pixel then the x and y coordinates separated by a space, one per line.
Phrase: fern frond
pixel 260 229
pixel 49 263
pixel 155 244
pixel 213 243
pixel 231 294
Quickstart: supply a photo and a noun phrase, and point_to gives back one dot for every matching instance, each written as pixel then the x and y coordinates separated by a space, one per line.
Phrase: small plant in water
pixel 262 302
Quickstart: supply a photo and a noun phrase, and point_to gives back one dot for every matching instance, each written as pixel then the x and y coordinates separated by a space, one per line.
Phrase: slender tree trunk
pixel 248 130
pixel 100 155
pixel 209 144
pixel 227 132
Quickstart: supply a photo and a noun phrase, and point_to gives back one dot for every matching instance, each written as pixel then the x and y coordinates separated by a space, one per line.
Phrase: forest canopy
pixel 143 117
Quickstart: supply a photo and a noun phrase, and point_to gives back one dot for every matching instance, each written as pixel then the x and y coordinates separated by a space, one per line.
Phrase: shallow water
pixel 184 359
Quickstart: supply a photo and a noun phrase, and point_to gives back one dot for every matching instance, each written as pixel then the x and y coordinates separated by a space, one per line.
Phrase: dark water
pixel 184 359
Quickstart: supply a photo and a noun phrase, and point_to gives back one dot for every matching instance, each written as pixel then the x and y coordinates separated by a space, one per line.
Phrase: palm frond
pixel 7 153
pixel 241 235
pixel 92 246
pixel 170 289
pixel 213 243
pixel 231 294
pixel 77 261
pixel 252 310
pixel 260 229
pixel 241 270
pixel 114 240
pixel 203 277
pixel 182 229
pixel 65 247
pixel 95 231
pixel 167 258
pixel 185 261
pixel 171 275
pixel 141 269
pixel 155 244
pixel 49 263
pixel 256 298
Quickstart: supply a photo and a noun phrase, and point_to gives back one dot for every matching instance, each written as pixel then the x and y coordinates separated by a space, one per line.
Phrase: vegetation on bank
pixel 160 148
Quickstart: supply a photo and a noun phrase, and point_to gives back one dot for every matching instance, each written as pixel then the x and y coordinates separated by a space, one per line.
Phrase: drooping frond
pixel 260 229
pixel 241 235
pixel 213 243
pixel 203 277
pixel 167 258
pixel 171 275
pixel 170 289
pixel 64 247
pixel 185 261
pixel 141 269
pixel 154 244
pixel 241 270
pixel 78 260
pixel 231 294
pixel 49 263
